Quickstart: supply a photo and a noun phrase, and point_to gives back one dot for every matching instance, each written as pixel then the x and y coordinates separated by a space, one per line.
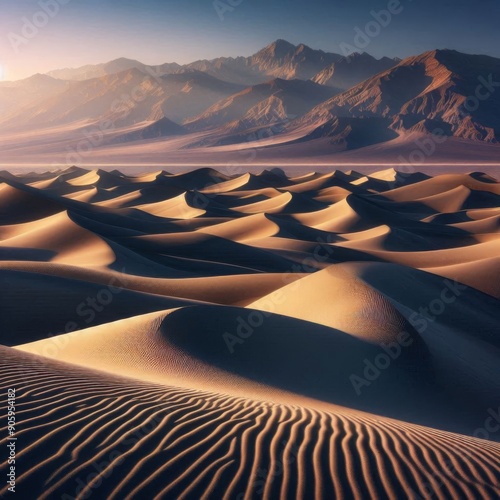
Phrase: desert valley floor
pixel 205 336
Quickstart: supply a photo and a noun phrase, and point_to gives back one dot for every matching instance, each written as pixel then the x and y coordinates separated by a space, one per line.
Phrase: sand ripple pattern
pixel 84 435
pixel 194 336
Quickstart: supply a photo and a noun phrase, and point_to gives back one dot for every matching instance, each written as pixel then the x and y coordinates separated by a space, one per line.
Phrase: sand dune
pixel 17 206
pixel 228 290
pixel 197 346
pixel 119 438
pixel 209 335
pixel 68 242
pixel 337 299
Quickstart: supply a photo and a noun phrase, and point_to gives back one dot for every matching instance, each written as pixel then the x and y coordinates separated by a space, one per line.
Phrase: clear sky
pixel 92 31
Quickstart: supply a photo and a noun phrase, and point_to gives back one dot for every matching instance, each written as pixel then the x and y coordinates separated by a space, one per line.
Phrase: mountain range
pixel 285 98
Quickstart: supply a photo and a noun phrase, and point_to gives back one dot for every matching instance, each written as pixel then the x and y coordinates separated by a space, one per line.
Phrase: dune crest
pixel 256 335
pixel 212 445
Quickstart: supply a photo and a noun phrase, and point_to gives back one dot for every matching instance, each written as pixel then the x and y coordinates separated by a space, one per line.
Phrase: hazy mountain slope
pixel 285 60
pixel 280 59
pixel 436 90
pixel 350 71
pixel 266 103
pixel 29 91
pixel 126 98
pixel 116 66
pixel 283 95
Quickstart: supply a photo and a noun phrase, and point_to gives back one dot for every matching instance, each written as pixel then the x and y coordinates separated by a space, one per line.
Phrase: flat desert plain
pixel 210 336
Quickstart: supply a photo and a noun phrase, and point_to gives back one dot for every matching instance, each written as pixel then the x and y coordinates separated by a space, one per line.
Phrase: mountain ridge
pixel 282 95
pixel 430 87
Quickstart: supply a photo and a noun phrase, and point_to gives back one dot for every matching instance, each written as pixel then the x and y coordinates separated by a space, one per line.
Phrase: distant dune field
pixel 208 336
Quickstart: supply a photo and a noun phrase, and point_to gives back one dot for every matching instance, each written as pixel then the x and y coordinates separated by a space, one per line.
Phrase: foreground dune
pixel 203 335
pixel 87 433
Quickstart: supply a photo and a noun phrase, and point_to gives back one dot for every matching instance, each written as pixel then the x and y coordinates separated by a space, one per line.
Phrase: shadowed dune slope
pixel 204 335
pixel 243 351
pixel 131 439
